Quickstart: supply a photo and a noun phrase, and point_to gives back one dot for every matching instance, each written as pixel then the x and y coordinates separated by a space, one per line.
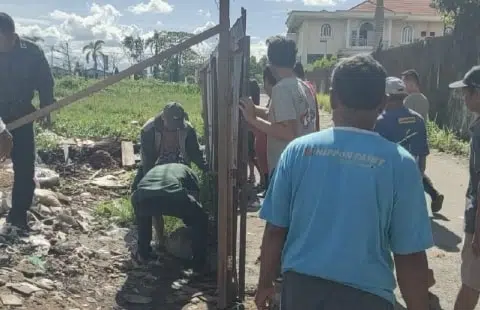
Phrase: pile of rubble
pixel 73 259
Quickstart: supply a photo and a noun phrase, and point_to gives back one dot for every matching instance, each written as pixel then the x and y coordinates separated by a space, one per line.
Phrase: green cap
pixel 174 114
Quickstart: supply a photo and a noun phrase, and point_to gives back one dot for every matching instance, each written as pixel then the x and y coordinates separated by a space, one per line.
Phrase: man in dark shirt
pixel 467 298
pixel 169 138
pixel 172 190
pixel 23 69
pixel 402 125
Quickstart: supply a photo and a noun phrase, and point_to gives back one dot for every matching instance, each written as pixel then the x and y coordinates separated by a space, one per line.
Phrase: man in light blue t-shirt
pixel 340 203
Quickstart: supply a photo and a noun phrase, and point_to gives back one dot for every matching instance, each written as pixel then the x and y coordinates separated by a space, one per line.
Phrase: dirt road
pixel 450 176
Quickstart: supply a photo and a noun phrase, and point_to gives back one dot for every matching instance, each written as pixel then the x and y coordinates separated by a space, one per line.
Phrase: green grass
pixel 120 212
pixel 443 140
pixel 324 102
pixel 120 110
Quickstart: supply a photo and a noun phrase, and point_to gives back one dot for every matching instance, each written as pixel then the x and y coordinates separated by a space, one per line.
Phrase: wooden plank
pixel 224 97
pixel 243 155
pixel 115 78
pixel 128 155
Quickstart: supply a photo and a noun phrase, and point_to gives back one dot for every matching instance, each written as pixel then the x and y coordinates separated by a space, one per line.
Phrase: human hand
pixel 6 144
pixel 264 297
pixel 248 108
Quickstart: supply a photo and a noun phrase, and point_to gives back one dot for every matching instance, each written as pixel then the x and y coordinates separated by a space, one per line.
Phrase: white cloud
pixel 205 13
pixel 258 49
pixel 101 24
pixel 206 47
pixel 320 2
pixel 153 6
pixel 207 25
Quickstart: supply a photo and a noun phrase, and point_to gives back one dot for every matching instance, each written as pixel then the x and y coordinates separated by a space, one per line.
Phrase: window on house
pixel 423 34
pixel 432 34
pixel 326 31
pixel 407 35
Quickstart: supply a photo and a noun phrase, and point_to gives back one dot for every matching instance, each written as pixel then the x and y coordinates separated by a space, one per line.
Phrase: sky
pixel 79 22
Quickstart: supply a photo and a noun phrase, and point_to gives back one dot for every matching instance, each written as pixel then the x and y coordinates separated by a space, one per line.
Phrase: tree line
pixel 176 68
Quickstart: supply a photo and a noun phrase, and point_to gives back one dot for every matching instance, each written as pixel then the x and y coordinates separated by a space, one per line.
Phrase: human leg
pixel 144 225
pixel 23 159
pixel 469 293
pixel 436 197
pixel 189 210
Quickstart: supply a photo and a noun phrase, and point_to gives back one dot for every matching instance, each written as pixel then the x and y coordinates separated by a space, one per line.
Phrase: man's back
pixel 418 103
pixel 292 99
pixel 342 195
pixel 168 179
pixel 406 127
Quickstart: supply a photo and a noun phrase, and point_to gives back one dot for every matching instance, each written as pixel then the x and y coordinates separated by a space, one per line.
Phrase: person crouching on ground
pixel 170 190
pixel 168 138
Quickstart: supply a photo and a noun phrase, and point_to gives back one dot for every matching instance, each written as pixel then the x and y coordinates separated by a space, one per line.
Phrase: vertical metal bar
pixel 224 98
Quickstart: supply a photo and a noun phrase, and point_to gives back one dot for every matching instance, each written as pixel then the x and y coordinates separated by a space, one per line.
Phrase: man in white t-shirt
pixel 292 112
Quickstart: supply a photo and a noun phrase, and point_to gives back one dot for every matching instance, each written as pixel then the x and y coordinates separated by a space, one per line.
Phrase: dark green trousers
pixel 23 159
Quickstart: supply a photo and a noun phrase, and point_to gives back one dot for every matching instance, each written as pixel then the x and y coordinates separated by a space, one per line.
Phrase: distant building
pixel 348 32
pixel 90 73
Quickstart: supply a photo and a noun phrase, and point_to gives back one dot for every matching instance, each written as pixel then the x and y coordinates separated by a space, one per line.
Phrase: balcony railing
pixel 365 43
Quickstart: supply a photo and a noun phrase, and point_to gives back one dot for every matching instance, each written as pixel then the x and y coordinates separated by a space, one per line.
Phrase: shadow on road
pixel 163 284
pixel 434 303
pixel 444 238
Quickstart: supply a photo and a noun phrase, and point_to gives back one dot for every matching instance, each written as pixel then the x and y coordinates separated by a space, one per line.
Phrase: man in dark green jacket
pixel 23 70
pixel 172 190
pixel 169 138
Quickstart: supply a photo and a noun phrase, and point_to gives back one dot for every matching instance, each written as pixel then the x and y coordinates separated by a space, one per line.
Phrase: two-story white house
pixel 347 32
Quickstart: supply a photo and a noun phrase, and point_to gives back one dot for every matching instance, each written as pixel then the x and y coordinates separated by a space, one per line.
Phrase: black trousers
pixel 23 159
pixel 428 187
pixel 312 293
pixel 182 206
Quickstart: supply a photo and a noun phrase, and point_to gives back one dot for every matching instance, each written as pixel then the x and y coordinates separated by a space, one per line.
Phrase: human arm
pixel 475 154
pixel 410 233
pixel 43 79
pixel 283 128
pixel 261 112
pixel 422 163
pixel 276 210
pixel 193 150
pixel 146 150
pixel 6 142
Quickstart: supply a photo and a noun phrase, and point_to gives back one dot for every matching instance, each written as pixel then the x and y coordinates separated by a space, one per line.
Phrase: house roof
pixel 415 7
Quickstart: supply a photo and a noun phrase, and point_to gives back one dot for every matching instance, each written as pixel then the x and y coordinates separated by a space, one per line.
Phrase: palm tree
pixel 93 51
pixel 156 43
pixel 379 22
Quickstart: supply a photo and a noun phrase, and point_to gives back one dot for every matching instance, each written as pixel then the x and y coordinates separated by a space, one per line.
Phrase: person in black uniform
pixel 23 69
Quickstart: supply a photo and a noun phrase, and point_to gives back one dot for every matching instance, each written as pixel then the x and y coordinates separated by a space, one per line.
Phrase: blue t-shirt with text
pixel 349 198
pixel 405 127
